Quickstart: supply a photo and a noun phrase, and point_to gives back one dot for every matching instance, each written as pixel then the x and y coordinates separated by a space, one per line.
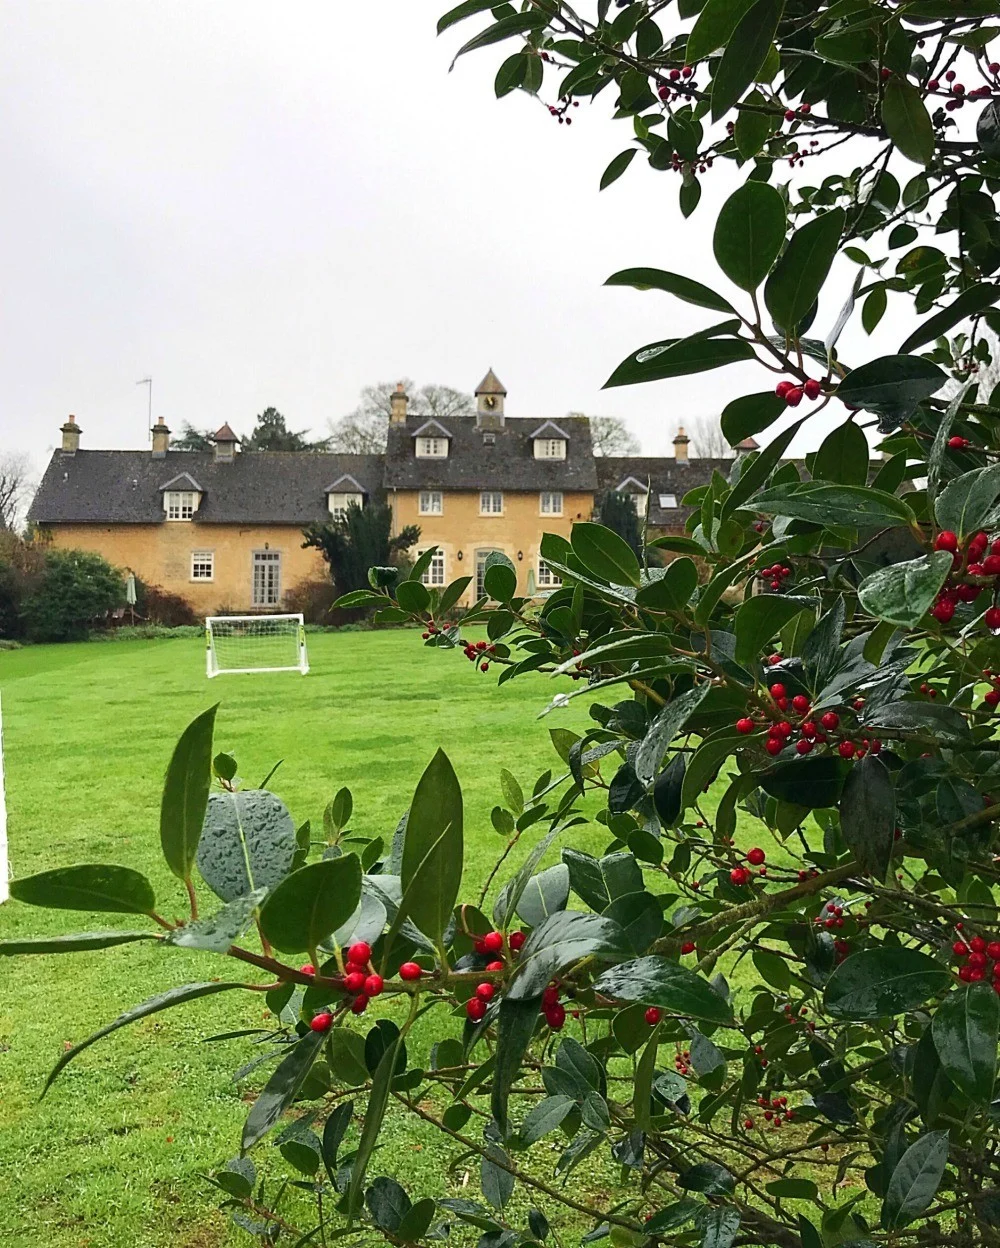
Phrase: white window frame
pixel 433 575
pixel 550 448
pixel 202 559
pixel 669 504
pixel 432 448
pixel 550 503
pixel 269 596
pixel 430 503
pixel 180 505
pixel 338 503
pixel 547 579
pixel 640 501
pixel 491 502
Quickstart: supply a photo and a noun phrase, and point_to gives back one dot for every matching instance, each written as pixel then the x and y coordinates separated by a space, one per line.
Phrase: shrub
pixel 76 592
pixel 22 565
pixel 314 599
pixel 160 606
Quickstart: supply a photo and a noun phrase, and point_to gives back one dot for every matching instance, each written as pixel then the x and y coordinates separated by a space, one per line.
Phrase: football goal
pixel 255 643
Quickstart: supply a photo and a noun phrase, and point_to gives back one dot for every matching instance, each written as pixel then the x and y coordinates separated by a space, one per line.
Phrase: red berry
pixel 800 703
pixel 784 728
pixel 485 992
pixel 958 444
pixel 977 960
pixel 993 950
pixel 782 388
pixel 354 981
pixel 550 997
pixel 992 698
pixel 943 611
pixel 484 667
pixel 748 1124
pixel 355 966
pixel 360 953
pixel 493 942
pixel 494 966
pixel 830 720
pixel 516 940
pixel 744 725
pixel 946 540
pixel 846 749
pixel 773 660
pixel 809 729
pixel 374 985
pixel 755 857
pixel 804 747
pixel 479 945
pixel 886 73
pixel 774 745
pixel 322 1022
pixel 991 565
pixel 991 619
pixel 410 971
pixel 555 1016
pixel 794 396
pixel 739 875
pixel 689 947
pixel 777 691
pixel 475 1008
pixel 653 1016
pixel 812 388
pixel 977 944
pixel 308 969
pixel 359 1004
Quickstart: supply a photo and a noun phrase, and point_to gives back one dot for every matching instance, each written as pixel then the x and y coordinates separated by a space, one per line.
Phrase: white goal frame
pixel 212 665
pixel 4 864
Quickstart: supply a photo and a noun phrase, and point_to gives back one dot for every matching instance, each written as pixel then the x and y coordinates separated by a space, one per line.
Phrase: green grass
pixel 114 1154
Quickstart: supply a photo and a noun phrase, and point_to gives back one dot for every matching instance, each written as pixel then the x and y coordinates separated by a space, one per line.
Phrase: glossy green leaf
pixel 915 1180
pixel 280 1090
pixel 311 903
pixel 685 288
pixel 884 982
pixel 749 232
pixel 605 554
pixel 754 125
pixel 378 1100
pixel 892 386
pixel 617 167
pixel 868 815
pixel 563 938
pixel 76 942
pixel 661 732
pixel 811 782
pixel 545 1117
pixel 966 1029
pixel 98 887
pixel 902 593
pixel 988 130
pixel 821 503
pixel 218 932
pixel 658 981
pixel 798 277
pixel 673 590
pixel 843 456
pixel 750 414
pixel 516 1025
pixel 468 8
pixel 714 27
pixel 969 303
pixel 964 503
pixel 505 28
pixel 678 357
pixel 163 1001
pixel 758 619
pixel 185 794
pixel 248 841
pixel 907 121
pixel 672 1216
pixel 433 852
pixel 718 1225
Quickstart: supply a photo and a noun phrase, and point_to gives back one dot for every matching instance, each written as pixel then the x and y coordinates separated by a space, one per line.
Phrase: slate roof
pixel 665 475
pixel 491 384
pixel 259 487
pixel 473 463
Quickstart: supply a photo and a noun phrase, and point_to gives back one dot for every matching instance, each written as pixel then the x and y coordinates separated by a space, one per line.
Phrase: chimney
pixel 70 436
pixel 681 445
pixel 161 439
pixel 398 403
pixel 225 445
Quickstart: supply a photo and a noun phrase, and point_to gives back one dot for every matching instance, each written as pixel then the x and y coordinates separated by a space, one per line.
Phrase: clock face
pixel 490 400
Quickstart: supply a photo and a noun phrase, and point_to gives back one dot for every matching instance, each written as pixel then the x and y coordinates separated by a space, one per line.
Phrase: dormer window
pixel 181 497
pixel 431 440
pixel 345 492
pixel 550 441
pixel 180 504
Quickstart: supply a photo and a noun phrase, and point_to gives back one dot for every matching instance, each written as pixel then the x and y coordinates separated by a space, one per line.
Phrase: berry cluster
pixel 956 90
pixel 560 110
pixel 775 1109
pixel 775 576
pixel 432 630
pixel 743 875
pixel 976 563
pixel 552 1008
pixel 478 652
pixel 682 1062
pixel 811 732
pixel 489 946
pixel 793 393
pixel 359 982
pixel 978 960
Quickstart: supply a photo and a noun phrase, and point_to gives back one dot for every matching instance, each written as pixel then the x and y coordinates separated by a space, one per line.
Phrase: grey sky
pixel 277 204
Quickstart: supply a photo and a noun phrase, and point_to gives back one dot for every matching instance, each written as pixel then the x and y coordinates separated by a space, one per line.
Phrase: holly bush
pixel 768 1011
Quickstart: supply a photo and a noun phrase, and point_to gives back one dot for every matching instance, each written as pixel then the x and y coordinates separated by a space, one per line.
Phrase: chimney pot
pixel 70 436
pixel 398 403
pixel 161 439
pixel 681 445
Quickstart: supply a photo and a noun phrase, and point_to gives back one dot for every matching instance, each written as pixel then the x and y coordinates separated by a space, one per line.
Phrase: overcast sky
pixel 263 204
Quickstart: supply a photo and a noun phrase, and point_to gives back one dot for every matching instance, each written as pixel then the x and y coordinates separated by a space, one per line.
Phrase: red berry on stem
pixel 322 1022
pixel 800 703
pixel 846 749
pixel 774 745
pixel 756 856
pixel 812 388
pixel 991 565
pixel 555 1016
pixel 493 942
pixel 744 725
pixel 652 1016
pixel 958 443
pixel 991 618
pixel 777 691
pixel 359 1004
pixel 374 985
pixel 946 540
pixel 494 966
pixel 517 940
pixel 410 971
pixel 804 747
pixel 550 997
pixel 308 969
pixel 782 388
pixel 830 720
pixel 354 981
pixel 794 396
pixel 977 944
pixel 475 1009
pixel 943 611
pixel 360 953
pixel 689 947
pixel 739 875
pixel 485 992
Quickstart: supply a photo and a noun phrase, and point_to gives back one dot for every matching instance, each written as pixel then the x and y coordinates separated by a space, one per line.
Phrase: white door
pixel 266 578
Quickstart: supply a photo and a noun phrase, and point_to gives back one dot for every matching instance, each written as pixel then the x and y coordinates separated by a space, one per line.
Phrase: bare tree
pixel 363 431
pixel 707 439
pixel 15 489
pixel 611 436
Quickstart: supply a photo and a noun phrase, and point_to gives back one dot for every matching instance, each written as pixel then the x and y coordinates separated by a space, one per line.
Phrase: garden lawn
pixel 113 1155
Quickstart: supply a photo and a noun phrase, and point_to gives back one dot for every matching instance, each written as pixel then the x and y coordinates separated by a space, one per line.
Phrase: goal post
pixel 237 644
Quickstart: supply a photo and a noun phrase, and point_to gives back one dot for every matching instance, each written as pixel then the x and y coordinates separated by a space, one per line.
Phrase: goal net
pixel 255 643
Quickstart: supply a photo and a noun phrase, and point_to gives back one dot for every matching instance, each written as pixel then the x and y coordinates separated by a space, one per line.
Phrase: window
pixel 547 579
pixel 432 448
pixel 202 565
pixel 550 448
pixel 266 578
pixel 491 503
pixel 431 503
pixel 180 504
pixel 667 501
pixel 339 503
pixel 640 501
pixel 434 572
pixel 551 503
pixel 481 557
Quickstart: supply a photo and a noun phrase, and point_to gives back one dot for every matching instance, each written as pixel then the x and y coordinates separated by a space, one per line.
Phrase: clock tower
pixel 490 395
